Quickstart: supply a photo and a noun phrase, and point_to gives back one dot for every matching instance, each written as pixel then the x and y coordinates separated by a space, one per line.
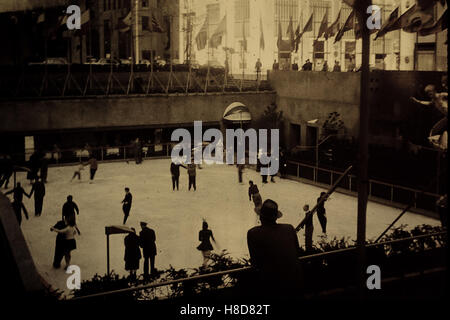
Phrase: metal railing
pixel 103 80
pixel 392 193
pixel 387 246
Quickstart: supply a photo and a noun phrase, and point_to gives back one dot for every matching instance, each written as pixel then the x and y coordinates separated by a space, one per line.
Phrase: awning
pixel 117 230
pixel 237 112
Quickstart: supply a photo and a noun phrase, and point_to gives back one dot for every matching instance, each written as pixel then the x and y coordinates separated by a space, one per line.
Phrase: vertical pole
pixel 137 31
pixel 107 254
pixel 363 145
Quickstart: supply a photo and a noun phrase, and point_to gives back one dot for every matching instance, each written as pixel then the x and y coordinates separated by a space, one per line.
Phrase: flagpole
pixel 136 51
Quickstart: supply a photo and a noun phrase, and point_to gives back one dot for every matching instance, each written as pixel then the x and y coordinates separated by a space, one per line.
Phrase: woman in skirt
pixel 205 246
pixel 69 243
pixel 132 253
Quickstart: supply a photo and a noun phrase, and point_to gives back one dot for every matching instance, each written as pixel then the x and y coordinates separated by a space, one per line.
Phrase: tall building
pixel 252 33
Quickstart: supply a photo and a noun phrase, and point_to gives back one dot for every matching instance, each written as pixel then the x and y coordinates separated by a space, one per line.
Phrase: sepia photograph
pixel 223 159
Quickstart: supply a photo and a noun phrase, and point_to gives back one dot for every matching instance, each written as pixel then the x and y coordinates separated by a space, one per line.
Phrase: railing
pixel 228 277
pixel 102 80
pixel 394 194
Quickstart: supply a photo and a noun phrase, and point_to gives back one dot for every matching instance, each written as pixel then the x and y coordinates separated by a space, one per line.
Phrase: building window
pixel 319 8
pixel 107 37
pixel 241 18
pixel 346 10
pixel 104 5
pixel 213 14
pixel 425 56
pixel 145 23
pixel 144 4
pixel 284 10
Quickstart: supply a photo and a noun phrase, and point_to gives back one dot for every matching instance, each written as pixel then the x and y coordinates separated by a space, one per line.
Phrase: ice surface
pixel 176 216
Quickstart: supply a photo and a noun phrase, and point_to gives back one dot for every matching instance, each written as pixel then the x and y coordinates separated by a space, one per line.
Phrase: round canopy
pixel 237 112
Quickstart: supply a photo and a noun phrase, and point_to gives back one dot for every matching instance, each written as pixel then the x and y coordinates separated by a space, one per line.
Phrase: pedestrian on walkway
pixel 132 253
pixel 205 246
pixel 147 238
pixel 126 207
pixel 39 192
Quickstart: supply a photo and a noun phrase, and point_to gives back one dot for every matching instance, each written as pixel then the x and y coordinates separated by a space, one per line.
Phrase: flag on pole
pixel 216 38
pixel 125 23
pixel 348 25
pixel 290 33
pixel 387 25
pixel 280 35
pixel 418 19
pixel 297 37
pixel 306 28
pixel 261 36
pixel 202 36
pixel 156 27
pixel 323 25
pixel 334 28
pixel 438 26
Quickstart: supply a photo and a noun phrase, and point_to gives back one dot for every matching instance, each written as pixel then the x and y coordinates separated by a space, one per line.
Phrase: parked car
pixel 50 61
pixel 107 61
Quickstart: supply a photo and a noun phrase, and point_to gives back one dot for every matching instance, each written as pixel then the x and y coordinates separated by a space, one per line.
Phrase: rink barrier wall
pixel 379 191
pixel 350 254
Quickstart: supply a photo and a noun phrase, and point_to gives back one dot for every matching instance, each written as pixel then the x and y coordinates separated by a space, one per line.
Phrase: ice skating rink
pixel 176 216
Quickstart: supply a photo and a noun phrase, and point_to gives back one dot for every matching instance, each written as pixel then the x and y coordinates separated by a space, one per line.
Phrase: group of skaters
pixel 93 166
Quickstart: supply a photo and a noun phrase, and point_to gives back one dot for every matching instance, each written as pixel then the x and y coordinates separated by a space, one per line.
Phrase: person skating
pixel 18 192
pixel 39 192
pixel 253 194
pixel 69 210
pixel 93 166
pixel 175 172
pixel 126 207
pixel 77 172
pixel 147 238
pixel 17 208
pixel 191 170
pixel 59 245
pixel 132 253
pixel 44 169
pixel 321 212
pixel 205 246
pixel 69 243
pixel 138 151
pixel 240 168
pixel 309 228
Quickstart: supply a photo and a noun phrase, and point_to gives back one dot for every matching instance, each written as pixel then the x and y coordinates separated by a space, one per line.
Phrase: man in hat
pixel 147 240
pixel 274 251
pixel 39 192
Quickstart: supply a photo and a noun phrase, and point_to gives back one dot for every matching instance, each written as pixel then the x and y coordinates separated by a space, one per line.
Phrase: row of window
pixel 119 4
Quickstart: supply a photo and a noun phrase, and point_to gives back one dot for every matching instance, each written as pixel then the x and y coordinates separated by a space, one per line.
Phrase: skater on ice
pixel 126 204
pixel 253 194
pixel 175 172
pixel 321 212
pixel 59 245
pixel 77 172
pixel 191 170
pixel 309 228
pixel 69 210
pixel 69 243
pixel 205 246
pixel 93 166
pixel 39 192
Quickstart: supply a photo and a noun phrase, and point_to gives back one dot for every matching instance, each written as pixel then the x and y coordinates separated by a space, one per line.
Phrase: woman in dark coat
pixel 132 253
pixel 205 246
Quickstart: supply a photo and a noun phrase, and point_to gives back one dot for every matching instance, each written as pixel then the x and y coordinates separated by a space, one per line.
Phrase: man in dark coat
pixel 68 212
pixel 18 200
pixel 59 245
pixel 17 207
pixel 175 172
pixel 147 240
pixel 44 169
pixel 39 192
pixel 126 207
pixel 138 151
pixel 274 251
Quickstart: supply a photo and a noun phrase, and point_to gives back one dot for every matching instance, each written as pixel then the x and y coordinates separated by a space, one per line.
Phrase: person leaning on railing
pixel 274 252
